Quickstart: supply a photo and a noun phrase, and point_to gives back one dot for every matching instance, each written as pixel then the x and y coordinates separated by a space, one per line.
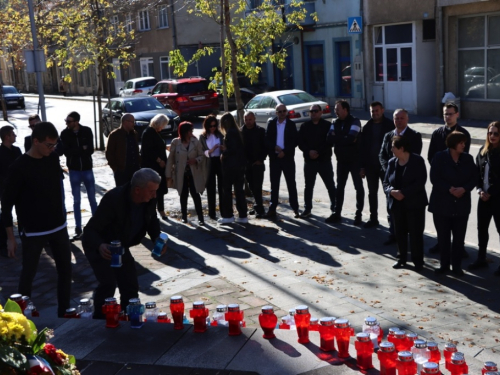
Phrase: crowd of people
pixel 221 161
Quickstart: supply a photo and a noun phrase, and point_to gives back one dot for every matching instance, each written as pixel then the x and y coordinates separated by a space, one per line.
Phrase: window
pixel 143 19
pixel 428 30
pixel 315 70
pixel 162 16
pixel 343 76
pixel 147 67
pixel 114 24
pixel 479 57
pixel 165 71
pixel 129 24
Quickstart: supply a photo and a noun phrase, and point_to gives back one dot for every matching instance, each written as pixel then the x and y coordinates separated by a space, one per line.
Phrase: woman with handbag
pixel 211 140
pixel 154 156
pixel 185 169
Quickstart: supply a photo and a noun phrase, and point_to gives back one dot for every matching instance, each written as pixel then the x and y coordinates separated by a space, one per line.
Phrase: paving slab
pixel 212 349
pixel 141 346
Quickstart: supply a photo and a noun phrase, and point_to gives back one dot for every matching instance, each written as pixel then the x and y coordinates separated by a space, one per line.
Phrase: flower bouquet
pixel 23 349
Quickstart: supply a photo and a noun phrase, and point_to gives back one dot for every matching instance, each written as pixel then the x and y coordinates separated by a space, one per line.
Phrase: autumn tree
pixel 249 37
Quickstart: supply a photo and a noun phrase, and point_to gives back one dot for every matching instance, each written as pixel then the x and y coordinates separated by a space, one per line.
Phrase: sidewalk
pixel 335 270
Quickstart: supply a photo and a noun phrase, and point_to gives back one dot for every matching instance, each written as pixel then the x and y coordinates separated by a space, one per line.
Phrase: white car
pixel 297 102
pixel 138 87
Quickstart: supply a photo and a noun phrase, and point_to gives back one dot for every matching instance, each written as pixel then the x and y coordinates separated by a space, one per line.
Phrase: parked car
pixel 493 87
pixel 143 109
pixel 475 75
pixel 187 96
pixel 297 102
pixel 138 87
pixel 12 97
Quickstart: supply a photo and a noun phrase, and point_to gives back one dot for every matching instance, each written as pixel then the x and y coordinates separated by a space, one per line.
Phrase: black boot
pixel 480 262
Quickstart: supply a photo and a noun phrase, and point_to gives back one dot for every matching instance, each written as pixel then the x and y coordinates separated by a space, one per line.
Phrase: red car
pixel 187 96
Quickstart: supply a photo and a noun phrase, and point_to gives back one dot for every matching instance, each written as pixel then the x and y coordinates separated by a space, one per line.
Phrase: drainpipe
pixel 302 53
pixel 361 39
pixel 174 32
pixel 441 51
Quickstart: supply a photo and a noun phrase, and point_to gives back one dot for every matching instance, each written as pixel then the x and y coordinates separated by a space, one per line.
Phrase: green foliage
pixel 11 306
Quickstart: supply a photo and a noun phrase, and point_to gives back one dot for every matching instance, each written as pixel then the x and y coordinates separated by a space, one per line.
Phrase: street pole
pixel 41 97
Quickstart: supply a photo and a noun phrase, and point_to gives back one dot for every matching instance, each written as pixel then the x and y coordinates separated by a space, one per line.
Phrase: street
pixel 340 269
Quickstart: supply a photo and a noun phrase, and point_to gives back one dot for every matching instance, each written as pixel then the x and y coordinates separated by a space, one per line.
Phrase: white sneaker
pixel 242 220
pixel 226 220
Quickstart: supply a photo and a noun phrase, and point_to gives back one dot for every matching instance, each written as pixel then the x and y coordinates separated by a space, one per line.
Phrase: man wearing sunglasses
pixel 281 140
pixel 34 187
pixel 317 150
pixel 32 121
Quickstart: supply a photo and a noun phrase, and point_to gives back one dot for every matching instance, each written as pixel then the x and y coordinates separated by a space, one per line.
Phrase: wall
pixel 396 11
pixel 425 52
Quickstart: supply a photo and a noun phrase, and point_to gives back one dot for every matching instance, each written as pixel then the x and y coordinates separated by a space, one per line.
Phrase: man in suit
pixel 401 119
pixel 281 140
pixel 32 120
pixel 371 142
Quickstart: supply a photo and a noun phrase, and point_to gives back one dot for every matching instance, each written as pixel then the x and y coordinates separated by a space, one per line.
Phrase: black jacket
pixel 412 184
pixel 112 221
pixel 153 147
pixel 368 141
pixel 234 154
pixel 291 138
pixel 78 158
pixel 438 140
pixel 347 139
pixel 255 144
pixel 494 174
pixel 386 150
pixel 445 173
pixel 7 157
pixel 315 137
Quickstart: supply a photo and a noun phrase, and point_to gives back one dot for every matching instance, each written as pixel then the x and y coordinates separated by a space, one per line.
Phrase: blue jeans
pixel 76 178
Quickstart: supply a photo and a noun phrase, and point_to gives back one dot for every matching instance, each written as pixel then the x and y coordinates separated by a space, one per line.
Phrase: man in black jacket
pixel 32 121
pixel 8 153
pixel 78 146
pixel 34 187
pixel 401 119
pixel 124 214
pixel 254 140
pixel 371 142
pixel 281 140
pixel 317 150
pixel 346 132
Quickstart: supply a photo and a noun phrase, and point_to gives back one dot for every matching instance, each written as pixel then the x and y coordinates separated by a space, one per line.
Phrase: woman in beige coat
pixel 185 169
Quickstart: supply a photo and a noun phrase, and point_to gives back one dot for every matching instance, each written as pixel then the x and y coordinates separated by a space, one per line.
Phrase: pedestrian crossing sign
pixel 355 25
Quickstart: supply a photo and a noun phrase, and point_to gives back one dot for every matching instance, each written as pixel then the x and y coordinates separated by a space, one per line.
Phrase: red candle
pixel 457 364
pixel 364 351
pixel 449 349
pixel 234 317
pixel 302 319
pixel 327 334
pixel 489 367
pixel 313 324
pixel 343 333
pixel 405 364
pixel 387 356
pixel 410 341
pixel 284 323
pixel 430 368
pixel 18 298
pixel 268 320
pixel 434 352
pixel 163 318
pixel 177 311
pixel 390 334
pixel 199 315
pixel 400 342
pixel 71 314
pixel 112 311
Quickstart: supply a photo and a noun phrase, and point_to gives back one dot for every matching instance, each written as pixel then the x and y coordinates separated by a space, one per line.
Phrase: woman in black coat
pixel 488 188
pixel 233 171
pixel 453 176
pixel 404 184
pixel 154 156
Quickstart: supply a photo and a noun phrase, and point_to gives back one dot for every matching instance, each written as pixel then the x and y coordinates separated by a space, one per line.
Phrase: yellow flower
pixel 16 324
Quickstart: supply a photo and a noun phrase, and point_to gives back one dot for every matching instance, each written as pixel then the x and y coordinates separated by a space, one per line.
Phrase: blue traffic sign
pixel 355 25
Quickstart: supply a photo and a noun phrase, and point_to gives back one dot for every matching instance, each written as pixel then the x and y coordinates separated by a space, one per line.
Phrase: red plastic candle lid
pixel 363 337
pixel 431 345
pixel 267 310
pixel 176 299
pixel 400 334
pixel 71 311
pixel 450 347
pixel 457 358
pixel 430 368
pixel 110 301
pixel 302 309
pixel 313 321
pixel 387 347
pixel 405 356
pixel 326 321
pixel 393 329
pixel 412 336
pixel 162 315
pixel 16 297
pixel 420 344
pixel 490 366
pixel 198 305
pixel 234 307
pixel 341 323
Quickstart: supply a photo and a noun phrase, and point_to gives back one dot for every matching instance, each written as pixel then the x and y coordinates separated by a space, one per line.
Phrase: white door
pixel 118 76
pixel 399 84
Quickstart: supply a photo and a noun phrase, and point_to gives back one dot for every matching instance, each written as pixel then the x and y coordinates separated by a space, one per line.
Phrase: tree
pixel 249 39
